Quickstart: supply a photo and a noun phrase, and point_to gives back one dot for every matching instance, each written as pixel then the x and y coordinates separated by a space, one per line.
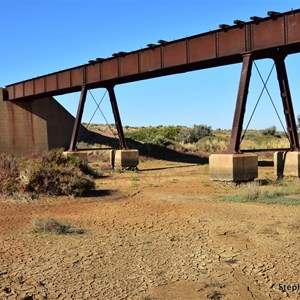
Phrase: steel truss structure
pixel 274 37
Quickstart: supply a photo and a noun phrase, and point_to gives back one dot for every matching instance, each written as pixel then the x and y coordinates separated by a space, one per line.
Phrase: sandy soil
pixel 159 233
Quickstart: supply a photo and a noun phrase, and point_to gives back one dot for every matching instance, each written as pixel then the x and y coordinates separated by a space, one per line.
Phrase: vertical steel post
pixel 117 117
pixel 286 100
pixel 237 126
pixel 78 119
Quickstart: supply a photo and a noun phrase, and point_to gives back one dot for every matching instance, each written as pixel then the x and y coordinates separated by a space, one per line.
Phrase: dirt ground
pixel 159 233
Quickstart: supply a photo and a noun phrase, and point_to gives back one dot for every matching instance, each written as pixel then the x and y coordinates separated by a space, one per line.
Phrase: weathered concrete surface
pixel 287 163
pixel 278 158
pixel 33 126
pixel 233 167
pixel 123 159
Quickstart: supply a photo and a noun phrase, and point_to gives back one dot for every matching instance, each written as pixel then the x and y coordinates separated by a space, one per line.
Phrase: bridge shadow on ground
pixel 165 168
pixel 97 193
pixel 145 149
pixel 265 163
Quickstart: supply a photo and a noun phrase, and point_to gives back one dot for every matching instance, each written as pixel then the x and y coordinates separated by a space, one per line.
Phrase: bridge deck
pixel 210 49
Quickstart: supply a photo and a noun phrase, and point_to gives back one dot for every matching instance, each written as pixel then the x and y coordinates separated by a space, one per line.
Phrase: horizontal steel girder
pixel 210 49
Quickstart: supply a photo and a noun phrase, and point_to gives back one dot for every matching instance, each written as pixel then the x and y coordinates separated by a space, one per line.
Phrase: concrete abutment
pixel 34 126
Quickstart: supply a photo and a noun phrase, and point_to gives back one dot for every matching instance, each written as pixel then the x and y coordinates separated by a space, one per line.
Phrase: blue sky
pixel 43 36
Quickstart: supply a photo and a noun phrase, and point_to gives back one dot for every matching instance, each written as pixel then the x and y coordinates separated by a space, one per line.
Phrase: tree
pixel 199 131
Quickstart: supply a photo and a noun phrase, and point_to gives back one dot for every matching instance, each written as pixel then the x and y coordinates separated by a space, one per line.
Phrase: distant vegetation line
pixel 197 139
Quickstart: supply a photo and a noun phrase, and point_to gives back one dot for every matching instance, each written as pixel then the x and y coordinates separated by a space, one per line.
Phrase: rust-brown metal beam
pixel 237 126
pixel 77 123
pixel 288 109
pixel 115 109
pixel 215 48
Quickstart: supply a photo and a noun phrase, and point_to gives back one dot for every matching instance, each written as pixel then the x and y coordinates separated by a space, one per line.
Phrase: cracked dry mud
pixel 160 233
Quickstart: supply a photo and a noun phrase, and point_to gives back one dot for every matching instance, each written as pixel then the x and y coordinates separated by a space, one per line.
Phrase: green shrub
pixel 49 173
pixel 142 134
pixel 199 131
pixel 269 131
pixel 184 135
pixel 170 132
pixel 194 134
pixel 163 136
pixel 168 135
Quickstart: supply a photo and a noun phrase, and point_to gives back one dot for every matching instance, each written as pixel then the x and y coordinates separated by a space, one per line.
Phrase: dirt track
pixel 161 233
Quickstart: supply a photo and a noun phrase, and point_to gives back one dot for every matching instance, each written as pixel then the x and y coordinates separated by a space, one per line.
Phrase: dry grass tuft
pixel 51 225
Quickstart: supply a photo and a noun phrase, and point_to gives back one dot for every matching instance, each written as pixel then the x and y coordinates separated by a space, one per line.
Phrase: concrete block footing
pixel 287 163
pixel 233 167
pixel 124 159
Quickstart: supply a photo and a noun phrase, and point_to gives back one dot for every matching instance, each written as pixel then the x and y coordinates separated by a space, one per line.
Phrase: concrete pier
pixel 287 163
pixel 233 167
pixel 124 159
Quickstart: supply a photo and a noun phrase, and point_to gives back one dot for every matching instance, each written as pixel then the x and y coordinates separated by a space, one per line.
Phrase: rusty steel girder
pixel 215 48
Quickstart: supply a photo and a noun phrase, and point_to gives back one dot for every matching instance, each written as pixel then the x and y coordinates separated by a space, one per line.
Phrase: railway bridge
pixel 31 119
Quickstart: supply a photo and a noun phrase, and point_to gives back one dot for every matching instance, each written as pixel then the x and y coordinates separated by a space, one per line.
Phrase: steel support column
pixel 78 119
pixel 237 126
pixel 286 100
pixel 117 117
